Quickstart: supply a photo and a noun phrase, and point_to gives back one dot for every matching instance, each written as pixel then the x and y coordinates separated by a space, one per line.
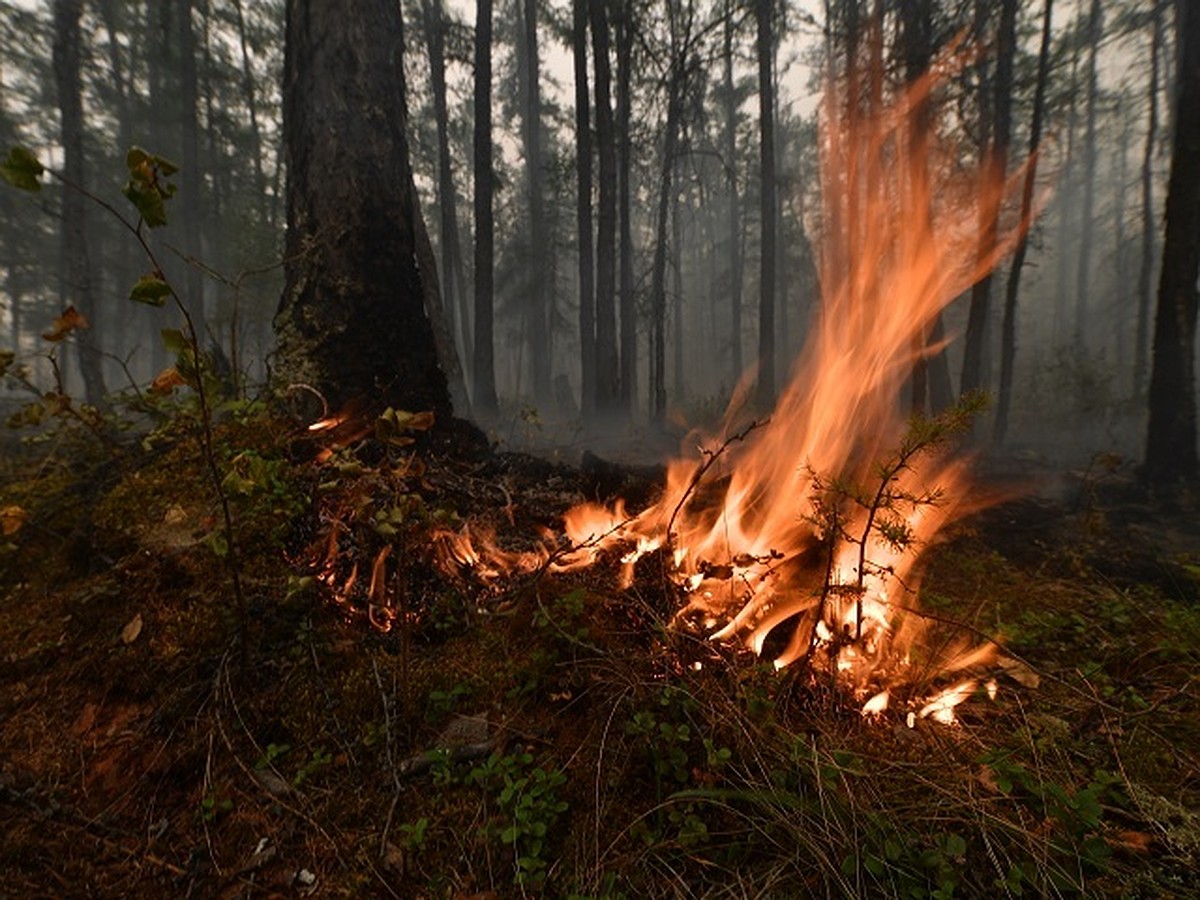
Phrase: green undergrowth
pixel 547 734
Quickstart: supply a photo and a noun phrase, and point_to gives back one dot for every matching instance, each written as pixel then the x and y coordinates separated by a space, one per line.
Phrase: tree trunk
pixel 76 283
pixel 1095 32
pixel 1066 207
pixel 1008 336
pixel 536 307
pixel 763 10
pixel 1171 433
pixel 484 398
pixel 629 348
pixel 191 219
pixel 733 212
pixel 452 274
pixel 1145 294
pixel 583 211
pixel 994 172
pixel 250 98
pixel 658 279
pixel 351 322
pixel 607 374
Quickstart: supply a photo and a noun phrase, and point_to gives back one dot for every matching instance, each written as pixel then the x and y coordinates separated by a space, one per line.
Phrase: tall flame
pixel 753 549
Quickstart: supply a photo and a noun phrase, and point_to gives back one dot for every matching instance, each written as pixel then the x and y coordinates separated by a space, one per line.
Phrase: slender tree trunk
pixel 658 283
pixel 629 347
pixel 1066 206
pixel 1145 294
pixel 250 98
pixel 1095 31
pixel 452 275
pixel 764 10
pixel 733 212
pixel 76 285
pixel 607 373
pixel 583 211
pixel 677 298
pixel 191 234
pixel 1171 433
pixel 484 397
pixel 973 374
pixel 1008 338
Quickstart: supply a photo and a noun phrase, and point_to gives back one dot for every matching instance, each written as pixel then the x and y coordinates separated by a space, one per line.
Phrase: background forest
pixel 695 265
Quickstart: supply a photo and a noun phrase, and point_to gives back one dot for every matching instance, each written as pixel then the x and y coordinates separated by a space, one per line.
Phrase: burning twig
pixel 713 456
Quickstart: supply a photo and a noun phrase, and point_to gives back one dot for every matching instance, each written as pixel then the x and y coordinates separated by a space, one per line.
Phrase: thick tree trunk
pixel 76 284
pixel 250 98
pixel 1171 434
pixel 1008 330
pixel 484 398
pixel 765 396
pixel 607 373
pixel 583 211
pixel 351 322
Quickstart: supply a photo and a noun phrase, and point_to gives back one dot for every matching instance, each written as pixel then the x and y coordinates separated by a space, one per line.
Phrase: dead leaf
pixel 87 719
pixel 166 381
pixel 132 629
pixel 70 319
pixel 174 515
pixel 1020 672
pixel 11 519
pixel 1137 841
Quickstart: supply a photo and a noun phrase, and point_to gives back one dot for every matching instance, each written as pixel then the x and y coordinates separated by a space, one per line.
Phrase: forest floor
pixel 549 733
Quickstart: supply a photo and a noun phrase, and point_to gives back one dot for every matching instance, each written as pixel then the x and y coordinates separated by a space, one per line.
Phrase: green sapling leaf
pixel 22 170
pixel 150 289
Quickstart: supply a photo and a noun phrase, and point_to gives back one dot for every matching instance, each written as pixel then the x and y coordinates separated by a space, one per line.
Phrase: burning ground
pixel 551 730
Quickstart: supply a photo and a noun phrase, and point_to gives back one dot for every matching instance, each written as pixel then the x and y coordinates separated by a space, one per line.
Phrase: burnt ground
pixel 549 734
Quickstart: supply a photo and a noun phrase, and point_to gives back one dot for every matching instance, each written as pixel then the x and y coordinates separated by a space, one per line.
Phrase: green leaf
pixel 151 290
pixel 22 170
pixel 174 340
pixel 149 202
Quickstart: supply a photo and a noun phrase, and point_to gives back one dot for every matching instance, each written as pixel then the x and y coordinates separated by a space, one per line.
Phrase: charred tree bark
pixel 75 284
pixel 607 372
pixel 765 395
pixel 1171 433
pixel 1008 329
pixel 484 368
pixel 352 322
pixel 583 211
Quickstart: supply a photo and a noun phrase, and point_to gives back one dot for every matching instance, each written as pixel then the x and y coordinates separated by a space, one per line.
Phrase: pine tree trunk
pixel 536 311
pixel 1145 294
pixel 484 369
pixel 76 285
pixel 1171 433
pixel 351 322
pixel 733 212
pixel 658 278
pixel 765 395
pixel 191 226
pixel 607 373
pixel 1008 331
pixel 1086 226
pixel 628 313
pixel 583 211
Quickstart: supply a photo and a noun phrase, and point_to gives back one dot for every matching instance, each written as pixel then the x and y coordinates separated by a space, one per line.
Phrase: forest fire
pixel 811 521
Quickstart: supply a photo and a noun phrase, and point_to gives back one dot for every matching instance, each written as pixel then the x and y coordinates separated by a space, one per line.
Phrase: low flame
pixel 770 527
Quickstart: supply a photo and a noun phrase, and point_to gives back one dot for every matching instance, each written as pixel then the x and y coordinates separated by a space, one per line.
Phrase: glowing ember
pixel 825 505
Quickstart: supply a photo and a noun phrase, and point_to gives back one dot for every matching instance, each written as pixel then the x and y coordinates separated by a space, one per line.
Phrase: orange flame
pixel 753 552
